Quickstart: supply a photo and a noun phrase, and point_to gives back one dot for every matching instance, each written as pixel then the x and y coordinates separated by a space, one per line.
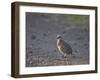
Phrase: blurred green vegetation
pixel 78 21
pixel 81 21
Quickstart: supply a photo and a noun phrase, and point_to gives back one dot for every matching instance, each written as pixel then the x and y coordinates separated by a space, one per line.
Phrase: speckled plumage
pixel 63 47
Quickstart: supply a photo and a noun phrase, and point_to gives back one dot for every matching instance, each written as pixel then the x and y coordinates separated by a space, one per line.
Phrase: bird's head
pixel 59 36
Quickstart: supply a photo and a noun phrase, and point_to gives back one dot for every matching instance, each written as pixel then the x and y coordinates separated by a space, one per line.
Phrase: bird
pixel 63 46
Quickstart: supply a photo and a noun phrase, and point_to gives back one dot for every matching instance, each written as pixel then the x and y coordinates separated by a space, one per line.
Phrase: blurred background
pixel 41 32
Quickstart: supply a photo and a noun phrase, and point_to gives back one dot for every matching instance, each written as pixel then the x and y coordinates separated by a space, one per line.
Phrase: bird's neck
pixel 59 41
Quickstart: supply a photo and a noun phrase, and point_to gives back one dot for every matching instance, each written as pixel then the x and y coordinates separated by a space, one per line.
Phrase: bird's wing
pixel 66 44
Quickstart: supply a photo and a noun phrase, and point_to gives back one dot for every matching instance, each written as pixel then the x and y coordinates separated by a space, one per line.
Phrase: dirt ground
pixel 41 32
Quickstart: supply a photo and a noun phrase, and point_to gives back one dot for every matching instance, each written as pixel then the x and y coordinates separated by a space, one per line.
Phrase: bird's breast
pixel 59 48
pixel 59 45
pixel 58 42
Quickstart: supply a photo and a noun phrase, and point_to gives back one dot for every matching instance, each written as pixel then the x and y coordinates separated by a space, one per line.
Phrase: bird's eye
pixel 58 37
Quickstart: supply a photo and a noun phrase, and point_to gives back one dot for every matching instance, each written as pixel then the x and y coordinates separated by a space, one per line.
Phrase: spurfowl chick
pixel 63 47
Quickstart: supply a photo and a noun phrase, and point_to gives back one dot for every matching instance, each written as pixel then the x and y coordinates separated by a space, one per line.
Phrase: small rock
pixel 33 37
pixel 30 52
pixel 44 34
pixel 64 32
pixel 85 44
pixel 55 51
pixel 75 43
pixel 30 62
pixel 79 38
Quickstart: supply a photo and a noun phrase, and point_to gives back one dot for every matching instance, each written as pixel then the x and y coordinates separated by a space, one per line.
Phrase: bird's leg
pixel 64 55
pixel 68 58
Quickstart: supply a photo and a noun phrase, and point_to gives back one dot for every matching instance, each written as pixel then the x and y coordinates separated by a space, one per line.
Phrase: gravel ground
pixel 41 32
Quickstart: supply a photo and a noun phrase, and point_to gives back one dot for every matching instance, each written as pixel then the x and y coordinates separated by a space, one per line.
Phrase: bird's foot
pixel 64 56
pixel 68 61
